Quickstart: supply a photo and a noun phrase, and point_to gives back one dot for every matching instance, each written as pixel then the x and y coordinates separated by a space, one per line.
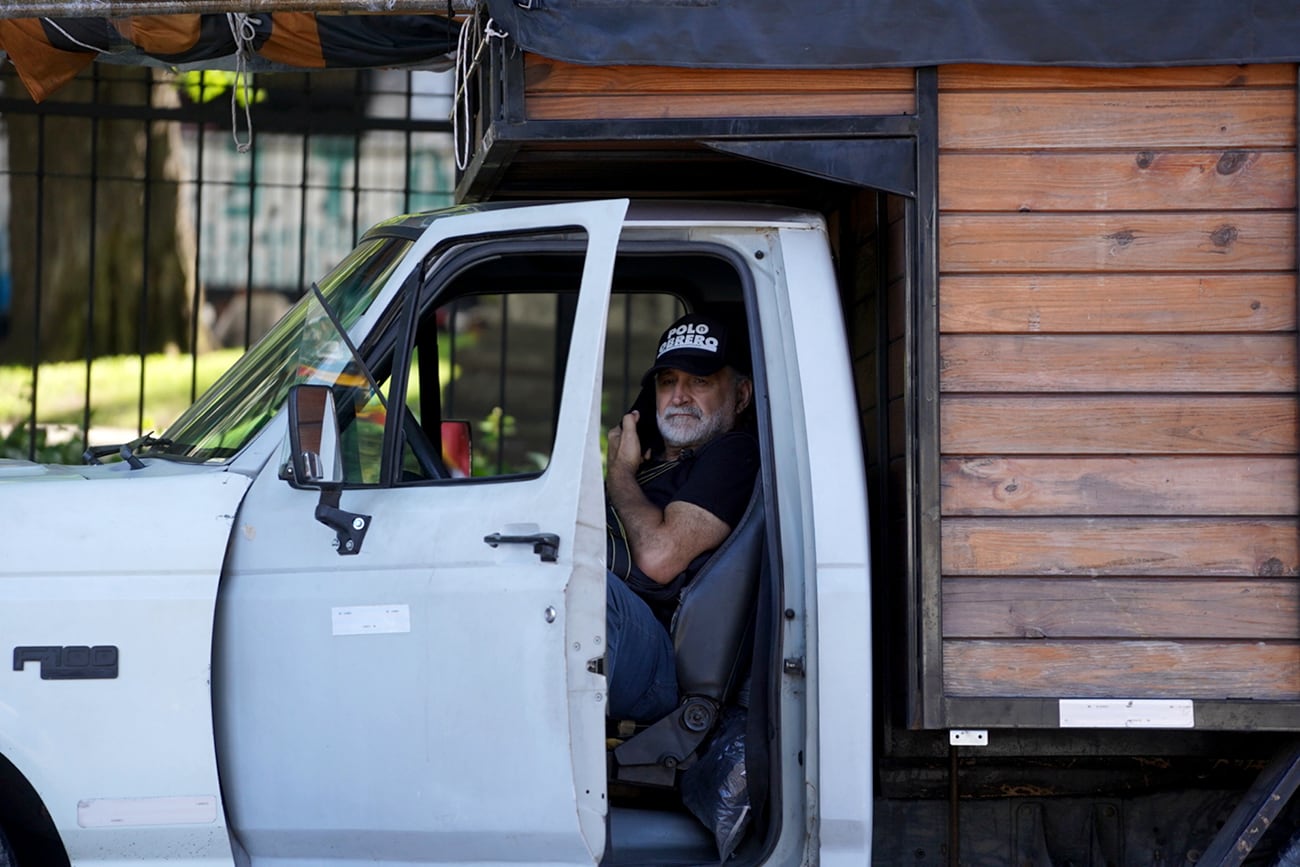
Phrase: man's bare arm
pixel 662 542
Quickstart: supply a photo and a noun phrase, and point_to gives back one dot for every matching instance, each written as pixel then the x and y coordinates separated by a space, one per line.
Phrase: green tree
pixel 99 241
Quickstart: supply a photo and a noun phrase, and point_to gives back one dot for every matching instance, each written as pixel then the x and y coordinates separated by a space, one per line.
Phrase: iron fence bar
pixel 626 396
pixel 265 122
pixel 214 183
pixel 93 262
pixel 408 142
pixel 449 388
pixel 248 256
pixel 358 93
pixel 142 316
pixel 304 186
pixel 195 298
pixel 127 8
pixel 39 276
pixel 501 383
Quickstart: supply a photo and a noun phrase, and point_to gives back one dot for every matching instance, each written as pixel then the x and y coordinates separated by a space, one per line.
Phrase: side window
pixel 501 369
pixel 503 376
pixel 484 380
pixel 485 374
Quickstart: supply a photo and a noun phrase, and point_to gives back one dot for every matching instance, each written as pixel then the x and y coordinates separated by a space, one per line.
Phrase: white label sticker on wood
pixel 1131 713
pixel 371 619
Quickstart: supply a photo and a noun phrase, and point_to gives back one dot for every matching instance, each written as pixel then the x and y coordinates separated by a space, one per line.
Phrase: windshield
pixel 302 347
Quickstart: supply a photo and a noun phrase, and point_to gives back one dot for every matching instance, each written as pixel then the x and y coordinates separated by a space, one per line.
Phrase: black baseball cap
pixel 697 344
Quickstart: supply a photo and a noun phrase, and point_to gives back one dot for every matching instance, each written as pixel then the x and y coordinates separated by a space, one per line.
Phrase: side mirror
pixel 313 437
pixel 456 449
pixel 315 462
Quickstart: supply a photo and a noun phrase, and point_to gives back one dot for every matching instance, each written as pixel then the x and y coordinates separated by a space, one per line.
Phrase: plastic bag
pixel 715 788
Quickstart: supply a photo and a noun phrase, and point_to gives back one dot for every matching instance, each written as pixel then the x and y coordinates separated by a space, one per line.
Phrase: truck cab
pixel 363 618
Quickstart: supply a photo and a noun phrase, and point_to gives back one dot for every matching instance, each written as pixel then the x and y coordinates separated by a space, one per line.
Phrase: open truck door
pixel 408 659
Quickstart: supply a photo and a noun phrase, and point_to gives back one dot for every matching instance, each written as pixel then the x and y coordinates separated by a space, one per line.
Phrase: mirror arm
pixel 350 527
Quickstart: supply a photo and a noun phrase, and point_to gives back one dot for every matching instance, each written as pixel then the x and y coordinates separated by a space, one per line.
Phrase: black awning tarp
pixel 806 34
pixel 913 33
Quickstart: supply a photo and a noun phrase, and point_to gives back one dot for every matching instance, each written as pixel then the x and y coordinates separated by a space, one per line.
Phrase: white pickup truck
pixel 334 636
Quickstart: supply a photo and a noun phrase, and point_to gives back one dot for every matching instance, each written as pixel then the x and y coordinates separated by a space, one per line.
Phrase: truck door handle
pixel 545 545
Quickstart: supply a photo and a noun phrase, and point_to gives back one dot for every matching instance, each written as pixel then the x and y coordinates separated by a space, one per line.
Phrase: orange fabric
pixel 294 41
pixel 161 34
pixel 42 67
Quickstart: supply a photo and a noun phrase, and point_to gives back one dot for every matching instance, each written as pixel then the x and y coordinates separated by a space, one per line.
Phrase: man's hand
pixel 625 445
pixel 662 542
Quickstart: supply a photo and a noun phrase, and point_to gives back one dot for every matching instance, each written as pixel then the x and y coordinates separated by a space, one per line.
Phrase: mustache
pixel 692 411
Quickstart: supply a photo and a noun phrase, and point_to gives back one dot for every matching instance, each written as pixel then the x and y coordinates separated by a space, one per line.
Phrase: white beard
pixel 686 427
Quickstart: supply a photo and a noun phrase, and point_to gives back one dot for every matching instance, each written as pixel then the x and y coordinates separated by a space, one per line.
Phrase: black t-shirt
pixel 718 478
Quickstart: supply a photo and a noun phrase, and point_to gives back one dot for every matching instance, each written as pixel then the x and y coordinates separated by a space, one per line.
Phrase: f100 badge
pixel 74 662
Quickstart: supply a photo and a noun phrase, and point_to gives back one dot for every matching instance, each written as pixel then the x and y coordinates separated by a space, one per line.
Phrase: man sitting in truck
pixel 674 492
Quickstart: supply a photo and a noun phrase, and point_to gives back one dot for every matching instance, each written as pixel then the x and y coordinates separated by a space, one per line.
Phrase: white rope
pixel 244 30
pixel 466 63
pixel 459 105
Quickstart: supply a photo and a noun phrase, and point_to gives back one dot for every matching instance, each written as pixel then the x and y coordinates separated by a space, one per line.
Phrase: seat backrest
pixel 713 627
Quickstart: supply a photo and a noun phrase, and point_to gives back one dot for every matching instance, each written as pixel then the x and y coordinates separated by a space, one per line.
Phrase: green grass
pixel 115 401
pixel 114 390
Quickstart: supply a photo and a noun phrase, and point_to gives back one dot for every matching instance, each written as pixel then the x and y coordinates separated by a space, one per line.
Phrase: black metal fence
pixel 154 223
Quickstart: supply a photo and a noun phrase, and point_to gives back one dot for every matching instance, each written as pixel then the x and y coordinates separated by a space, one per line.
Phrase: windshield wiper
pixel 126 451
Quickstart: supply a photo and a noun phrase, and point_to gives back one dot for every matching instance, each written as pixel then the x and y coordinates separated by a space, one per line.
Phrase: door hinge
pixel 794 666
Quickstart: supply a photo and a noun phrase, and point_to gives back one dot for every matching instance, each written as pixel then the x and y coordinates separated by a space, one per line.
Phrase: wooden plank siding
pixel 1100 303
pixel 1247 670
pixel 1119 430
pixel 554 90
pixel 1120 424
pixel 1130 485
pixel 1116 362
pixel 1128 608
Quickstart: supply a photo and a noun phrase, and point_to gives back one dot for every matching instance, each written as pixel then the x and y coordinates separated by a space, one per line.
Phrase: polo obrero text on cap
pixel 694 335
pixel 695 343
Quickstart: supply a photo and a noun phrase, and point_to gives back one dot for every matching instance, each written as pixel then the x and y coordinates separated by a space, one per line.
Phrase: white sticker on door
pixel 371 619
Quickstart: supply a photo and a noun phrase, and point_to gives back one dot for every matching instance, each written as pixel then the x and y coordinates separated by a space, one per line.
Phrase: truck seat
pixel 713 637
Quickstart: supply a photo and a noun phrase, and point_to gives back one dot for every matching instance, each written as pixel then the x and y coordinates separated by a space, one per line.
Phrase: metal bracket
pixel 654 755
pixel 545 545
pixel 968 737
pixel 350 528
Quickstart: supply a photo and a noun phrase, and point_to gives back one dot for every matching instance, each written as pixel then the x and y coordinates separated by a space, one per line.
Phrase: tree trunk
pixel 111 268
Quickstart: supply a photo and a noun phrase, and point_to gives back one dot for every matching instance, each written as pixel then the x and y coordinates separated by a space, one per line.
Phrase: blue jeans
pixel 640 667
